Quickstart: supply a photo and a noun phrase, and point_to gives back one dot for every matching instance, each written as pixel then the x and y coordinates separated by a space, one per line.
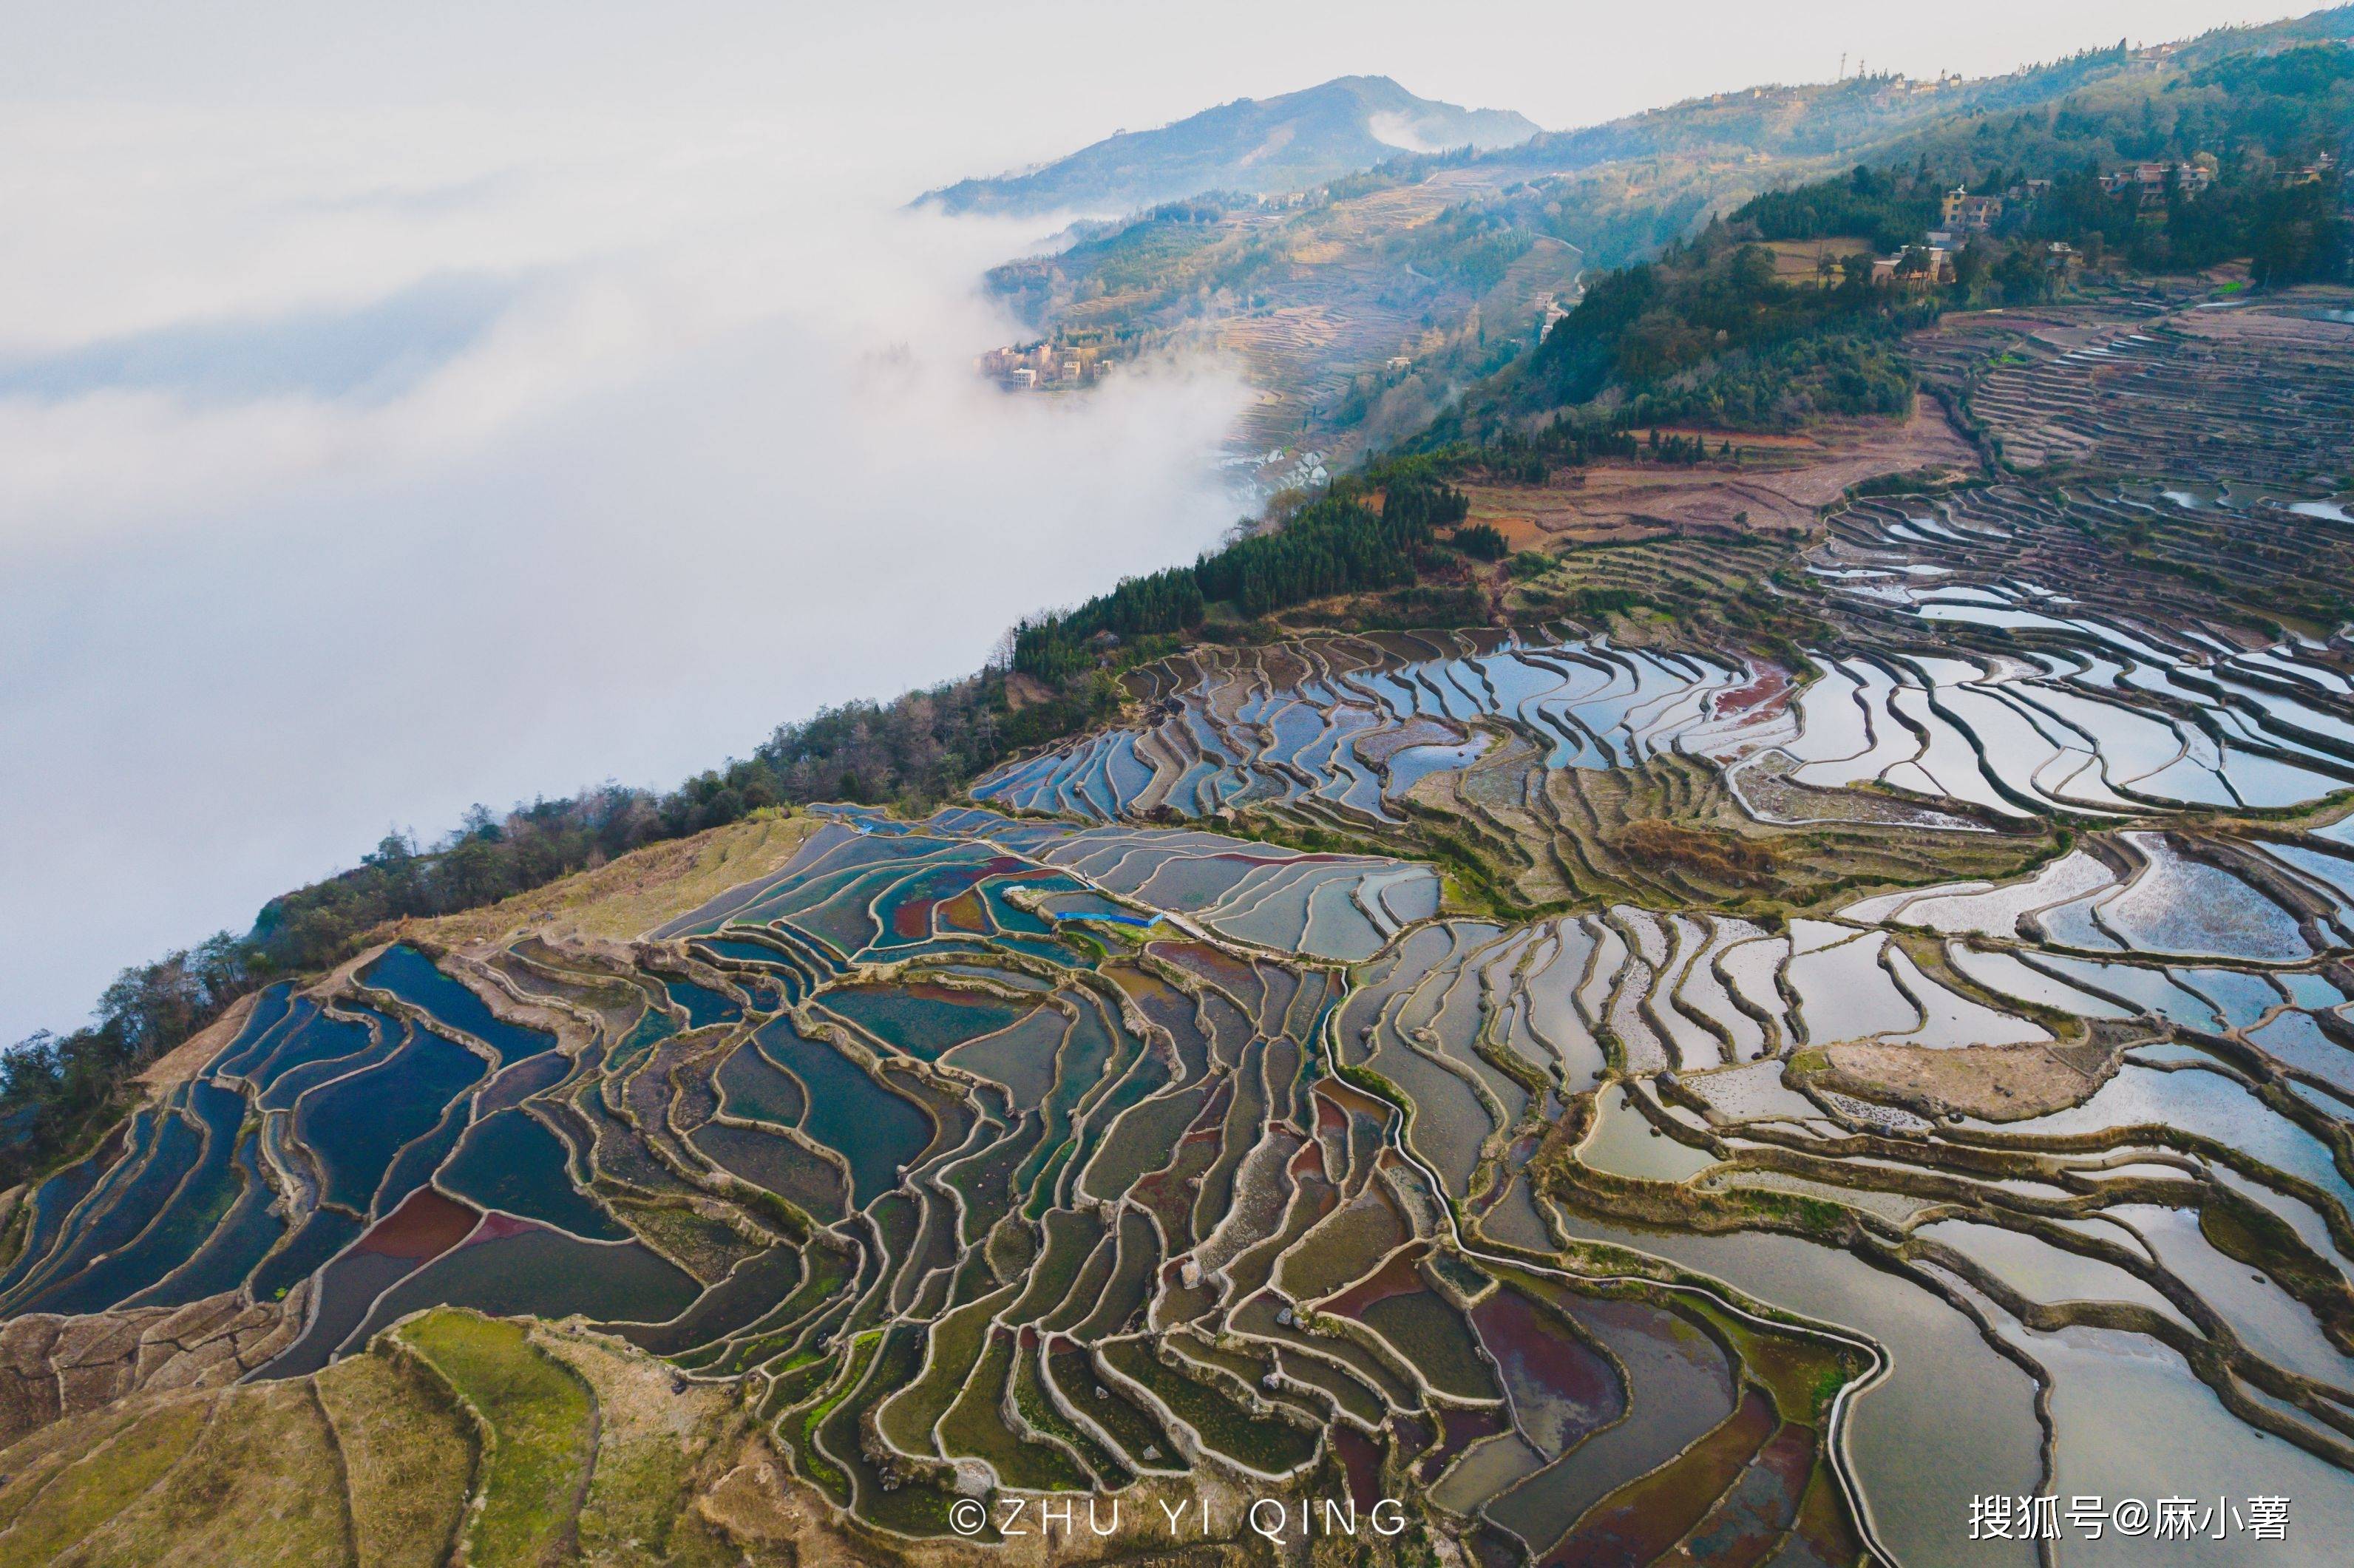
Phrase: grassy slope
pixel 409 1458
pixel 56 1506
pixel 247 1475
pixel 632 896
pixel 540 1416
pixel 259 1486
pixel 652 1438
pixel 584 1450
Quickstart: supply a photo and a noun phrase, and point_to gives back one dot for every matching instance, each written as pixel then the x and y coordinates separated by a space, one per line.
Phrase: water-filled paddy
pixel 1947 1393
pixel 509 1268
pixel 509 1161
pixel 1679 1387
pixel 1561 1388
pixel 313 1047
pixel 412 976
pixel 119 1208
pixel 1624 1143
pixel 356 1124
pixel 2111 1390
pixel 203 1183
pixel 228 1255
pixel 925 1021
pixel 704 1007
pixel 875 1130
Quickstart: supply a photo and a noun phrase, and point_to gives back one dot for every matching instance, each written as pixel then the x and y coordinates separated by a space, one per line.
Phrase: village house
pixel 1968 214
pixel 2149 180
pixel 1916 266
pixel 1042 365
pixel 2311 173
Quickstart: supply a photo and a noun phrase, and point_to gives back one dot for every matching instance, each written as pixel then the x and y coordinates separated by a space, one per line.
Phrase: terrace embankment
pixel 56 1368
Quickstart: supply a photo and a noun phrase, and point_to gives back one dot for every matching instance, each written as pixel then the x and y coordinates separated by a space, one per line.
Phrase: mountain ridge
pixel 1355 350
pixel 1257 146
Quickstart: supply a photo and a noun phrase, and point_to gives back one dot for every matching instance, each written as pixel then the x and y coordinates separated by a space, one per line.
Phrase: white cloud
pixel 717 458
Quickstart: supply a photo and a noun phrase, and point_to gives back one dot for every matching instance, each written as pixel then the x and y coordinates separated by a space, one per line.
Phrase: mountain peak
pixel 1257 146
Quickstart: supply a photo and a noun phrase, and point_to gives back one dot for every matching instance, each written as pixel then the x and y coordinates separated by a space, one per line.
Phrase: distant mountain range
pixel 1367 308
pixel 1251 145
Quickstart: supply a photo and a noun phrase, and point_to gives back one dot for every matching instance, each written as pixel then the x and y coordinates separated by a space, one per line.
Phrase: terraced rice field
pixel 2031 987
pixel 951 1198
pixel 2212 391
pixel 949 1194
pixel 1632 1099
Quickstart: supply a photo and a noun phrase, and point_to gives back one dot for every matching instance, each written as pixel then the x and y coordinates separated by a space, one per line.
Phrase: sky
pixel 402 407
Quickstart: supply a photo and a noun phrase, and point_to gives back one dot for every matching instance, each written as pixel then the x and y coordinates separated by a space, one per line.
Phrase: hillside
pixel 1576 947
pixel 1741 949
pixel 1253 146
pixel 1776 123
pixel 1367 306
pixel 1788 309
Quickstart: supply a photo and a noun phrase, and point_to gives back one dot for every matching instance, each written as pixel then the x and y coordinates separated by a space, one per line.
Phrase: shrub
pixel 1481 542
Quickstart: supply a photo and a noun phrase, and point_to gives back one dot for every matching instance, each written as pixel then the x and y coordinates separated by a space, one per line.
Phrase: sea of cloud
pixel 363 465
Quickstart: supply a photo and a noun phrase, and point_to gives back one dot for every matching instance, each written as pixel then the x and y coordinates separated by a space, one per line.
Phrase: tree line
pixel 1342 541
pixel 59 1091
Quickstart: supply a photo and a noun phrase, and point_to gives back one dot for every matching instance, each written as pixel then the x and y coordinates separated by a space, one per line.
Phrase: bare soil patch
pixel 1780 486
pixel 1799 260
pixel 1994 1083
pixel 180 1064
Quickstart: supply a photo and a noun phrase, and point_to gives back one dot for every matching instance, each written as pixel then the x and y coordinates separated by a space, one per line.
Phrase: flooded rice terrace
pixel 1056 1144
